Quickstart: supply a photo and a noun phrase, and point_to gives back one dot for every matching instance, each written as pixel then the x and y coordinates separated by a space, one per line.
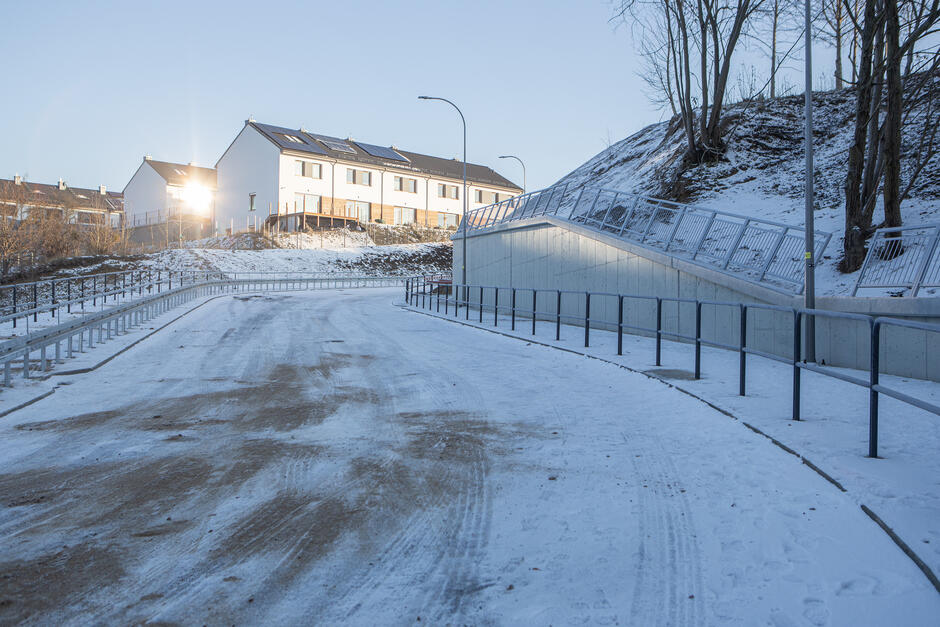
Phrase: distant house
pixel 18 198
pixel 295 178
pixel 161 192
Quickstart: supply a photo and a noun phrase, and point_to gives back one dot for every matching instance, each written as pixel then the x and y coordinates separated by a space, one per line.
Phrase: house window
pixel 403 184
pixel 362 211
pixel 307 203
pixel 448 191
pixel 307 169
pixel 485 197
pixel 404 215
pixel 358 177
pixel 446 219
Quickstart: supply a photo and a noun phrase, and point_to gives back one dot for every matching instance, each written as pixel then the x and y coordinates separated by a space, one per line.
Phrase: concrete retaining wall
pixel 549 254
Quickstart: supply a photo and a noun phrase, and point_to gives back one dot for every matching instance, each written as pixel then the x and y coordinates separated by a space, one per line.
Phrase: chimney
pixel 102 190
pixel 61 184
pixel 17 179
pixel 147 157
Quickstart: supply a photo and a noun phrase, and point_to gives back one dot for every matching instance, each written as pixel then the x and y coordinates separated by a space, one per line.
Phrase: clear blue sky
pixel 90 87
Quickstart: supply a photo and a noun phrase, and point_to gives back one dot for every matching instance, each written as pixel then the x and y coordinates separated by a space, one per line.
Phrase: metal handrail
pixel 905 257
pixel 761 251
pixel 115 320
pixel 418 294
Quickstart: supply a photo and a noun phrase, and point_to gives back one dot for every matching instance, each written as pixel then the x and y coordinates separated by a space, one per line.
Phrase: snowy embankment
pixel 371 466
pixel 397 260
pixel 761 174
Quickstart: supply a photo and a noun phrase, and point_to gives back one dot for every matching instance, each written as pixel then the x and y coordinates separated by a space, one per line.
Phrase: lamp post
pixel 809 289
pixel 520 163
pixel 463 220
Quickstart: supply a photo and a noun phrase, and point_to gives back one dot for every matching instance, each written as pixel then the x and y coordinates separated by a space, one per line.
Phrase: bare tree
pixel 883 101
pixel 689 60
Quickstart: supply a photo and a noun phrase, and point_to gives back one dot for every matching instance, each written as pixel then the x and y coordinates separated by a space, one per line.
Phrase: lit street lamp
pixel 463 220
pixel 520 163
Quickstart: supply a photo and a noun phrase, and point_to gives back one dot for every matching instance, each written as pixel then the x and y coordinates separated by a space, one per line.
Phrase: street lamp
pixel 520 163
pixel 809 289
pixel 463 221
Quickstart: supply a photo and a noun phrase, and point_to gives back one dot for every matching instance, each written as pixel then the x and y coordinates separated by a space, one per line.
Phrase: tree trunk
pixel 854 237
pixel 892 134
pixel 838 33
pixel 773 49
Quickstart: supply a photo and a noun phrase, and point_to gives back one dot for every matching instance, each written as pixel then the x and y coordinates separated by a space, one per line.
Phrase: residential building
pixel 160 192
pixel 19 197
pixel 294 178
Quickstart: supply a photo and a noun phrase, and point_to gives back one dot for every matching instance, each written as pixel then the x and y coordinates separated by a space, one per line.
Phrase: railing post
pixel 659 330
pixel 466 298
pixel 558 317
pixel 698 340
pixel 742 352
pixel 587 319
pixel 797 342
pixel 534 301
pixel 481 304
pixel 875 366
pixel 620 324
pixel 734 247
pixel 14 306
pixel 513 307
pixel 496 306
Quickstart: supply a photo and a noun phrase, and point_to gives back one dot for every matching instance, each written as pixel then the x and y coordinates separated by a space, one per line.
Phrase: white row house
pixel 161 191
pixel 296 178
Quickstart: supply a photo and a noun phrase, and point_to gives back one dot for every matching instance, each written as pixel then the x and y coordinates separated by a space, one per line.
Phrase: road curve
pixel 331 458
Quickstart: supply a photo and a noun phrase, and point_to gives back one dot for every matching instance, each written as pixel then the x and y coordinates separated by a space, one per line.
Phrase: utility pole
pixel 809 288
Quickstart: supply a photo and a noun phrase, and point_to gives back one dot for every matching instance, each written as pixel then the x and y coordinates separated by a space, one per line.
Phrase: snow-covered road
pixel 330 457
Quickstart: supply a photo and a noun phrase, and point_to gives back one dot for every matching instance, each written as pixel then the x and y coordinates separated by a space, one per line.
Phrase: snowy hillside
pixel 762 172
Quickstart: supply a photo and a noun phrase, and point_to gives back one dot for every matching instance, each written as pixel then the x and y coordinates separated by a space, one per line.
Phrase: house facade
pixel 18 198
pixel 294 178
pixel 160 192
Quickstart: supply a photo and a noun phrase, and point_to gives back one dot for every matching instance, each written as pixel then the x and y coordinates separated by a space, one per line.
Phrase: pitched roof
pixel 303 141
pixel 181 174
pixel 42 194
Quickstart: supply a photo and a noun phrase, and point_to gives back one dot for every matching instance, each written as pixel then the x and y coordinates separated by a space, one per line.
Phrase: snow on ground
pixel 375 466
pixel 761 175
pixel 901 486
pixel 397 260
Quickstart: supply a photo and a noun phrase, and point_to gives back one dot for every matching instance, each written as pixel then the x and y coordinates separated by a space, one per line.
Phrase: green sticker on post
pixel 809 255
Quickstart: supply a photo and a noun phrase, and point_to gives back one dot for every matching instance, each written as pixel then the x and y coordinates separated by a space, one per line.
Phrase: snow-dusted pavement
pixel 329 457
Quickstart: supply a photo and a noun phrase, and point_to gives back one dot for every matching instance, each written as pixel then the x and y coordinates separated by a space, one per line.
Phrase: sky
pixel 94 86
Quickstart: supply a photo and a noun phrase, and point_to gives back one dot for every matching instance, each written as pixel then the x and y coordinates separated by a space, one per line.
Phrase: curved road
pixel 328 457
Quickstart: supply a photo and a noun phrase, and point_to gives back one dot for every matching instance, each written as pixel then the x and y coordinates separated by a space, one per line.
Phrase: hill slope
pixel 761 174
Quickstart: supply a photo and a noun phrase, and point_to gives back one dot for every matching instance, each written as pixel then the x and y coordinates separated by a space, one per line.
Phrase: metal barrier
pixel 23 300
pixel 902 257
pixel 761 251
pixel 418 294
pixel 75 335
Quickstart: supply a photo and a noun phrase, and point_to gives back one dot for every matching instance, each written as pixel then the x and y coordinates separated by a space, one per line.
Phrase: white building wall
pixel 250 165
pixel 145 193
pixel 290 183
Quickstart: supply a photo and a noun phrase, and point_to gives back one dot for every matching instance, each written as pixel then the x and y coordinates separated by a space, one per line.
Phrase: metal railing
pixel 77 334
pixel 902 257
pixel 79 293
pixel 523 302
pixel 761 251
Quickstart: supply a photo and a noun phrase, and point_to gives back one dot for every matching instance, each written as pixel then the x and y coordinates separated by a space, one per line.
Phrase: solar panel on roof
pixel 382 152
pixel 337 145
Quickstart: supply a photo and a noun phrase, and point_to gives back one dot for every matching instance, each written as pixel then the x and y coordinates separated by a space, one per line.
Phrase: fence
pixel 761 251
pixel 524 303
pixel 49 297
pixel 75 335
pixel 902 257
